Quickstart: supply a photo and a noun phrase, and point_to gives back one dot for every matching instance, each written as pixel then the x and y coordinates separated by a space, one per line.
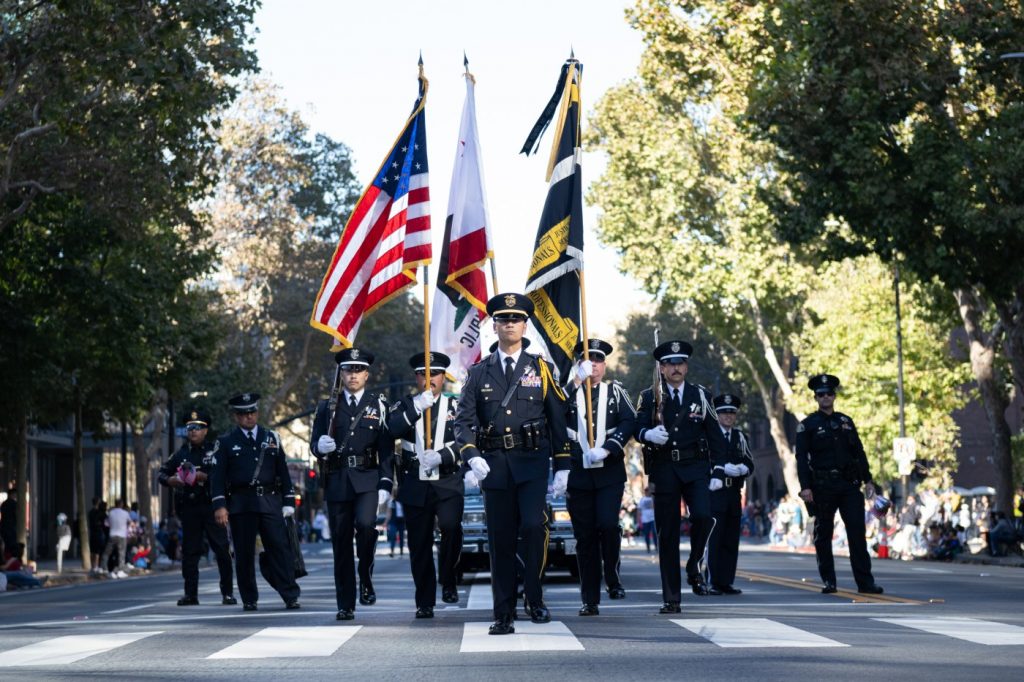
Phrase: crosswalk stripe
pixel 986 632
pixel 290 642
pixel 63 650
pixel 739 633
pixel 480 598
pixel 553 636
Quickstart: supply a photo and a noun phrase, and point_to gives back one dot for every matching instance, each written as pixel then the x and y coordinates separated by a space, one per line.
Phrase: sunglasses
pixel 596 357
pixel 433 372
pixel 830 394
pixel 194 427
pixel 505 319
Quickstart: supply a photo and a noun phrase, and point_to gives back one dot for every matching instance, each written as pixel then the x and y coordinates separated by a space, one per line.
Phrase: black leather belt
pixel 509 441
pixel 258 489
pixel 352 461
pixel 678 455
pixel 832 475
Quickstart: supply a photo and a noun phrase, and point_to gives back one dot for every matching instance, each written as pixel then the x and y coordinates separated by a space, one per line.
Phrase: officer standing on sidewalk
pixel 430 484
pixel 187 473
pixel 726 505
pixel 356 453
pixel 510 430
pixel 598 474
pixel 832 465
pixel 252 490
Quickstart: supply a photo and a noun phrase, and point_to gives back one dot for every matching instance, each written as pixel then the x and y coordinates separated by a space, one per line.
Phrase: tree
pixel 681 196
pixel 898 122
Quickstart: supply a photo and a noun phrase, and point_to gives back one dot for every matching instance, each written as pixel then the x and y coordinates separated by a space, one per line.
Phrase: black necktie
pixel 676 397
pixel 508 370
pixel 352 402
pixel 252 438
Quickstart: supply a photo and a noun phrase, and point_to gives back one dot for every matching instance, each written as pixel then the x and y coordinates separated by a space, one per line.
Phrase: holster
pixel 533 434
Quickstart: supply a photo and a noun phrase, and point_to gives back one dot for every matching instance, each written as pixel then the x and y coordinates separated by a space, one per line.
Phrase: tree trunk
pixel 22 483
pixel 993 396
pixel 145 458
pixel 79 465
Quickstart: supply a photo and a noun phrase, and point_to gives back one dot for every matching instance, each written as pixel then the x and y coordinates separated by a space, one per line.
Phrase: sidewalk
pixel 73 573
pixel 982 558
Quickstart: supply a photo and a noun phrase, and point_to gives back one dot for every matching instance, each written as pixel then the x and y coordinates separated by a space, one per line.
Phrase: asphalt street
pixel 947 621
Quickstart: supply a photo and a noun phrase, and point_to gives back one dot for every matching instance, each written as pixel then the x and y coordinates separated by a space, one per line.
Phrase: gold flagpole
pixel 426 353
pixel 586 343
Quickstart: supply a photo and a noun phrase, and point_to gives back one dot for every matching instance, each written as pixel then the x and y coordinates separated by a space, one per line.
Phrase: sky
pixel 350 69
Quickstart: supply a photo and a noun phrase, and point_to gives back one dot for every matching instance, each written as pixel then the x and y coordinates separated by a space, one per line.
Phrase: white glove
pixel 583 369
pixel 658 435
pixel 732 470
pixel 715 484
pixel 326 445
pixel 571 433
pixel 743 469
pixel 560 483
pixel 594 455
pixel 869 491
pixel 430 459
pixel 287 511
pixel 471 480
pixel 479 467
pixel 382 497
pixel 423 401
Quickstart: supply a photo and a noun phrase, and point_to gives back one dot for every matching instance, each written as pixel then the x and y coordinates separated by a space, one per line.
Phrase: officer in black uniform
pixel 597 475
pixel 510 430
pixel 356 451
pixel 832 465
pixel 684 444
pixel 188 473
pixel 726 506
pixel 251 481
pixel 430 483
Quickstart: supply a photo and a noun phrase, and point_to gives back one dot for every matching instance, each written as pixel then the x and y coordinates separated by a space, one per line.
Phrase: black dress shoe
pixel 589 610
pixel 345 614
pixel 539 613
pixel 871 589
pixel 700 589
pixel 188 601
pixel 712 591
pixel 450 596
pixel 367 596
pixel 829 588
pixel 502 626
pixel 228 600
pixel 728 589
pixel 425 612
pixel 292 605
pixel 670 607
pixel 616 592
pixel 249 606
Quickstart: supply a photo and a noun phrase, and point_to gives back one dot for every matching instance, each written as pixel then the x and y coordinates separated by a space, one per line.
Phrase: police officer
pixel 356 451
pixel 684 443
pixel 251 481
pixel 430 483
pixel 598 474
pixel 726 506
pixel 510 430
pixel 188 473
pixel 832 465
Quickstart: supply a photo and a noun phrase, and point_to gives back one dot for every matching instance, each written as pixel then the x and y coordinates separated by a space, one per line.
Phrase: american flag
pixel 385 239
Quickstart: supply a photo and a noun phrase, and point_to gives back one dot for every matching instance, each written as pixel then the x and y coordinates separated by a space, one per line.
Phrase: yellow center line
pixel 842 594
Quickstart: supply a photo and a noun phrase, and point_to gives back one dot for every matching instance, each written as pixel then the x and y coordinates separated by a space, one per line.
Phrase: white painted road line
pixel 738 633
pixel 553 636
pixel 290 642
pixel 133 608
pixel 64 650
pixel 480 598
pixel 973 630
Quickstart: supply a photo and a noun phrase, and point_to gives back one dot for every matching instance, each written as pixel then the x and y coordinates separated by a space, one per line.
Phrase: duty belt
pixel 509 441
pixel 832 475
pixel 351 461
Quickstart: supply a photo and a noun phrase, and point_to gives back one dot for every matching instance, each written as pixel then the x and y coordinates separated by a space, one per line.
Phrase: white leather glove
pixel 560 483
pixel 658 435
pixel 571 433
pixel 583 369
pixel 430 459
pixel 326 445
pixel 595 455
pixel 715 484
pixel 423 401
pixel 869 491
pixel 287 511
pixel 732 470
pixel 479 467
pixel 743 469
pixel 382 497
pixel 471 480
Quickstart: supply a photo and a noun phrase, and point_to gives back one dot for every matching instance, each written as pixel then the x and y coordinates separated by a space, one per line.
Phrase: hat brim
pixel 727 408
pixel 511 311
pixel 675 356
pixel 197 423
pixel 354 363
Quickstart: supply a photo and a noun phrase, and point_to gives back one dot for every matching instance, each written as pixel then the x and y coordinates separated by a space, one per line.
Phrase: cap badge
pixel 727 399
pixel 675 346
pixel 195 415
pixel 510 299
pixel 246 397
pixel 824 380
pixel 432 360
pixel 355 353
pixel 595 344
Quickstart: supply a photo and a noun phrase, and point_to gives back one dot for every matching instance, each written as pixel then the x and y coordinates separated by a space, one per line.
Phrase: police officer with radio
pixel 597 474
pixel 510 430
pixel 187 473
pixel 430 483
pixel 356 453
pixel 252 490
pixel 832 465
pixel 726 505
pixel 683 444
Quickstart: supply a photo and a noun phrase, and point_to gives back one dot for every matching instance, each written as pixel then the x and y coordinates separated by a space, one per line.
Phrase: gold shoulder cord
pixel 546 379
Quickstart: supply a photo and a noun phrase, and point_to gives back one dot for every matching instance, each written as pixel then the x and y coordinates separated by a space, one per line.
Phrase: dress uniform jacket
pixel 726 507
pixel 236 460
pixel 401 422
pixel 203 459
pixel 680 458
pixel 737 452
pixel 365 429
pixel 619 423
